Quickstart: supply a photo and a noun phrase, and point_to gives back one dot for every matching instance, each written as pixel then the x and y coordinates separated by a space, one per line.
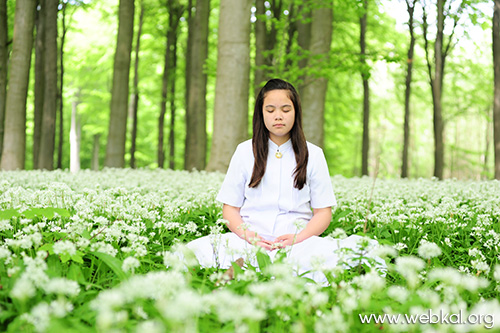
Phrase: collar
pixel 284 147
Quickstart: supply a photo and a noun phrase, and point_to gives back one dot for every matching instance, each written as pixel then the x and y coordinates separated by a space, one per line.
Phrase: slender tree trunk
pixel 14 144
pixel 117 132
pixel 232 84
pixel 410 5
pixel 47 139
pixel 74 138
pixel 437 89
pixel 3 67
pixel 61 86
pixel 496 100
pixel 189 46
pixel 487 146
pixel 168 80
pixel 365 74
pixel 172 76
pixel 95 153
pixel 135 95
pixel 171 138
pixel 196 113
pixel 314 90
pixel 39 80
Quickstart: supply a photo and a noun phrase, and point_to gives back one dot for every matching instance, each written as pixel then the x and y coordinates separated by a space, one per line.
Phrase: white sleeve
pixel 232 191
pixel 320 182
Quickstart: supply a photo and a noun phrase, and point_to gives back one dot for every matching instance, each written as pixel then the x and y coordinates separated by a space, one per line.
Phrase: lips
pixel 279 125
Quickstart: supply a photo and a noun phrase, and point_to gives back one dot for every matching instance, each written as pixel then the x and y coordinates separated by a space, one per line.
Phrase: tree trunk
pixel 410 5
pixel 39 80
pixel 74 139
pixel 3 67
pixel 135 96
pixel 437 93
pixel 196 113
pixel 365 74
pixel 232 84
pixel 189 46
pixel 172 76
pixel 95 153
pixel 14 144
pixel 313 93
pixel 496 100
pixel 117 130
pixel 168 80
pixel 61 87
pixel 47 138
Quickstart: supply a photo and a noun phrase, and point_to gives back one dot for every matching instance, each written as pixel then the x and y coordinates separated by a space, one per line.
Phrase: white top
pixel 272 208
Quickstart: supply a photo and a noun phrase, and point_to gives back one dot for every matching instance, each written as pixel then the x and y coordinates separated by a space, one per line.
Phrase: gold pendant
pixel 278 154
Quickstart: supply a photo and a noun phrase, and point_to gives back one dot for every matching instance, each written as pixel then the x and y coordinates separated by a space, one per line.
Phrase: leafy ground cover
pixel 96 251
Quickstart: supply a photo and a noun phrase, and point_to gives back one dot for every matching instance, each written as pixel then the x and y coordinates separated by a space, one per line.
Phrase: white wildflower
pixel 496 273
pixel 23 289
pixel 64 247
pixel 481 266
pixel 130 264
pixel 62 286
pixel 338 233
pixel 398 293
pixel 150 326
pixel 400 246
pixel 428 250
pixel 5 225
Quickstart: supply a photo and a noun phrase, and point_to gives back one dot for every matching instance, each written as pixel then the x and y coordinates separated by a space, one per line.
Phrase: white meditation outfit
pixel 271 208
pixel 274 208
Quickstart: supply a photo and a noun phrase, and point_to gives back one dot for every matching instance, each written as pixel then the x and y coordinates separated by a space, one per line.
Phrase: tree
pixel 496 100
pixel 117 130
pixel 232 83
pixel 39 79
pixel 14 144
pixel 3 67
pixel 313 91
pixel 365 74
pixel 48 131
pixel 410 6
pixel 435 69
pixel 75 137
pixel 196 140
pixel 135 95
pixel 60 95
pixel 168 83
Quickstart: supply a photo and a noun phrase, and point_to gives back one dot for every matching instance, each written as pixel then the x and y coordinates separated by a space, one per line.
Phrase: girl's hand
pixel 266 245
pixel 285 240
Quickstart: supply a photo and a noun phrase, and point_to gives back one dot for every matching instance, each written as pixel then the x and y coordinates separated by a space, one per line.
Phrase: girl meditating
pixel 277 192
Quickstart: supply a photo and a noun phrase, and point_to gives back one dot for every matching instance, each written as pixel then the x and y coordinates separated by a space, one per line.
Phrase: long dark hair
pixel 261 135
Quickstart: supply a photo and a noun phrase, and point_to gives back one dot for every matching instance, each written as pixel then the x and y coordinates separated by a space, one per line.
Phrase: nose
pixel 278 115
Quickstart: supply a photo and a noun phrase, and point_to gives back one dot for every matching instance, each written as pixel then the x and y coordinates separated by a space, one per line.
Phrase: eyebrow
pixel 273 106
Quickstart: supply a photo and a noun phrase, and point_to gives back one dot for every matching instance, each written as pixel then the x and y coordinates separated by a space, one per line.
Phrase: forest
pixel 388 87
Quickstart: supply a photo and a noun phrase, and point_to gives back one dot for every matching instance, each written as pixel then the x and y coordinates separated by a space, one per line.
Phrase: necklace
pixel 278 154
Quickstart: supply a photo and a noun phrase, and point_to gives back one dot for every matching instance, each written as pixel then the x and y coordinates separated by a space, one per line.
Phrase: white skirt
pixel 309 257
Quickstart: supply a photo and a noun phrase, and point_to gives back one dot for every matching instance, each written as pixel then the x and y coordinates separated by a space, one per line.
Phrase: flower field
pixel 99 251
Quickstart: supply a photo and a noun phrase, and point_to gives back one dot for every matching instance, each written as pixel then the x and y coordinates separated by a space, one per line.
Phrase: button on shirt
pixel 275 207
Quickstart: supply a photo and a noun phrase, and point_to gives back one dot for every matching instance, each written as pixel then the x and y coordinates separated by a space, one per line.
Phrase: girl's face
pixel 279 115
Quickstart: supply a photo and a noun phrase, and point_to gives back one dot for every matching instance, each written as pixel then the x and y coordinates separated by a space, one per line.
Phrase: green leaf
pixel 75 273
pixel 65 257
pixel 113 263
pixel 47 247
pixel 263 260
pixel 8 214
pixel 48 212
pixel 78 257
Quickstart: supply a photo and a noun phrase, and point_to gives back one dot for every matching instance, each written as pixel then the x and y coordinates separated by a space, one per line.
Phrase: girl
pixel 272 182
